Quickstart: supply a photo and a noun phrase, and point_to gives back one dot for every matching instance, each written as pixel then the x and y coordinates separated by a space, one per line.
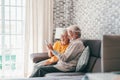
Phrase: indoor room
pixel 33 35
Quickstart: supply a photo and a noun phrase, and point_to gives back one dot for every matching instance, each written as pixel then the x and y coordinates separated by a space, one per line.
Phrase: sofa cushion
pixel 83 60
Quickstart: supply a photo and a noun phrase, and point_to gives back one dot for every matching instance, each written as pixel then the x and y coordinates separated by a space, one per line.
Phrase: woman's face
pixel 64 38
pixel 72 35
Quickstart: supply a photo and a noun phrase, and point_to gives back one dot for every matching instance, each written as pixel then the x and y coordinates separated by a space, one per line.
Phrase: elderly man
pixel 67 62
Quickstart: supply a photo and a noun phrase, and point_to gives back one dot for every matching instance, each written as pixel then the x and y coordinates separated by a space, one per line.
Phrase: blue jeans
pixel 42 70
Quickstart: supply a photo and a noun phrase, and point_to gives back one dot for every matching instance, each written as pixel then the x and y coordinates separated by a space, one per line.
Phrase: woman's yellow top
pixel 59 48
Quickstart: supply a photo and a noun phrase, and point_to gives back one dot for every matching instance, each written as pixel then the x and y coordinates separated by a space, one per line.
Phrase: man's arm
pixel 71 52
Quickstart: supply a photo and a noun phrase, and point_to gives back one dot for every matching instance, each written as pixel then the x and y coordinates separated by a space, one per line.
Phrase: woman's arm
pixel 50 54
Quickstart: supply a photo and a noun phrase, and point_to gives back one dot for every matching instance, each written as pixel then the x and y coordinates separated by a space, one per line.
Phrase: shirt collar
pixel 75 39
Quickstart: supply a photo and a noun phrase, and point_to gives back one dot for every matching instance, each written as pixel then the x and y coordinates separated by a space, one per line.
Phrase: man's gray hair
pixel 74 28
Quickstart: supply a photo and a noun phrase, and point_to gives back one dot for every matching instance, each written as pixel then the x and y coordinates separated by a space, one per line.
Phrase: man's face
pixel 70 34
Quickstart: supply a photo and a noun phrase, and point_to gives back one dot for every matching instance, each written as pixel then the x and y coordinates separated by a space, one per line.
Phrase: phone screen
pixel 46 42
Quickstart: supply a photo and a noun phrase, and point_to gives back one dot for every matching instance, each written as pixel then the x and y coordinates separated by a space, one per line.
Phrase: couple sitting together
pixel 65 53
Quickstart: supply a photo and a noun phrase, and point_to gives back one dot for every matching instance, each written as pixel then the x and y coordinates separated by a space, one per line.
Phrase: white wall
pixel 95 17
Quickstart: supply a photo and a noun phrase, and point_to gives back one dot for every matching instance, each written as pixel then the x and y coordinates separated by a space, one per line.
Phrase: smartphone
pixel 46 42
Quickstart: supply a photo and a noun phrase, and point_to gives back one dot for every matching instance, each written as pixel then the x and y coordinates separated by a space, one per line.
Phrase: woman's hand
pixel 50 53
pixel 50 47
pixel 47 63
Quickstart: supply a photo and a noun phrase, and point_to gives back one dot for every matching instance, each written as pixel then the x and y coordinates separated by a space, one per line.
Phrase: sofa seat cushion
pixel 65 74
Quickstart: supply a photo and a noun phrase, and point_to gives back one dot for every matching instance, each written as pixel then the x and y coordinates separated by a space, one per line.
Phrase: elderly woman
pixel 59 46
pixel 68 60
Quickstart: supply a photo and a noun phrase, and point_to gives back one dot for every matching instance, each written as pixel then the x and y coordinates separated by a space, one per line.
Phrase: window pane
pixel 7 58
pixel 13 2
pixel 0 13
pixel 7 2
pixel 23 17
pixel 19 61
pixel 13 66
pixel 13 13
pixel 19 27
pixel 0 62
pixel 0 27
pixel 13 27
pixel 16 41
pixel 7 27
pixel 0 59
pixel 19 42
pixel 19 2
pixel 0 2
pixel 1 51
pixel 7 13
pixel 0 66
pixel 7 42
pixel 13 41
pixel 0 41
pixel 11 38
pixel 23 2
pixel 13 61
pixel 7 62
pixel 13 58
pixel 19 13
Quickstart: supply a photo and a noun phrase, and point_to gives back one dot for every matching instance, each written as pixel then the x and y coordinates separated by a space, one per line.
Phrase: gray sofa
pixel 94 64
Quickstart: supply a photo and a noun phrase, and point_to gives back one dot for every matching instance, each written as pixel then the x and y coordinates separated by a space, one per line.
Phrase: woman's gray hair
pixel 74 28
pixel 64 31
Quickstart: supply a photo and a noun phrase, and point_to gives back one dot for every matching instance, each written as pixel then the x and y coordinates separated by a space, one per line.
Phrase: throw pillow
pixel 83 60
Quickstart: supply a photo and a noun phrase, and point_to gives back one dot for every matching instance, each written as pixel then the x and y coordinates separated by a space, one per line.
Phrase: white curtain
pixel 39 27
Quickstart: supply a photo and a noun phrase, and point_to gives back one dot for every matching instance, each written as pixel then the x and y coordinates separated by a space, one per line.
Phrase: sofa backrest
pixel 94 63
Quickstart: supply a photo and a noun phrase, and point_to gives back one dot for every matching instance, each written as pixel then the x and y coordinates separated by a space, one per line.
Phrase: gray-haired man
pixel 67 61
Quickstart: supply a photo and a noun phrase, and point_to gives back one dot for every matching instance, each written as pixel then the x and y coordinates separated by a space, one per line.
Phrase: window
pixel 12 18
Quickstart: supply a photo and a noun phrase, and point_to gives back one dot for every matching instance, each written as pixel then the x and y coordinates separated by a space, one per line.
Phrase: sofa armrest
pixel 37 57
